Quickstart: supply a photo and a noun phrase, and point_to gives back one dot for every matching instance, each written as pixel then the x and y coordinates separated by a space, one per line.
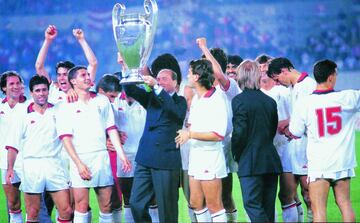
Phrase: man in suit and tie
pixel 255 122
pixel 158 160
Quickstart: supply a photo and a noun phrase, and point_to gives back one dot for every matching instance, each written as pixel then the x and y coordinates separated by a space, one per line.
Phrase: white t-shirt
pixel 87 123
pixel 56 95
pixel 130 119
pixel 328 118
pixel 7 116
pixel 36 133
pixel 208 114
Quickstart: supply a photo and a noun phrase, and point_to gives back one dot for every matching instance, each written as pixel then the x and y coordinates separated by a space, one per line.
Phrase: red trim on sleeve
pixel 218 135
pixel 12 148
pixel 227 86
pixel 111 127
pixel 65 135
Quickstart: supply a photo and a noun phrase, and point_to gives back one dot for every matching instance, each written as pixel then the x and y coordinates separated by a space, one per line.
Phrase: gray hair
pixel 248 75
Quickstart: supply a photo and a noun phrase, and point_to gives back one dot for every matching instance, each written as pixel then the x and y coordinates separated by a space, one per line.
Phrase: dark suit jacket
pixel 254 127
pixel 164 116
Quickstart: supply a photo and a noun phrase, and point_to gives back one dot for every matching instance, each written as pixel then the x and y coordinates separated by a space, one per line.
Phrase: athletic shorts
pixel 231 164
pixel 40 174
pixel 284 154
pixel 298 159
pixel 331 176
pixel 207 165
pixel 99 166
pixel 120 172
pixel 15 180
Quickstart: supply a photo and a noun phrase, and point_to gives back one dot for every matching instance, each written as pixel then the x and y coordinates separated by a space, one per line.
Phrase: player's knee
pixel 65 212
pixel 196 204
pixel 82 207
pixel 32 212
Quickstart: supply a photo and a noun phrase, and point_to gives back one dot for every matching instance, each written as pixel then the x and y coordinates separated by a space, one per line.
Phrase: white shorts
pixel 15 180
pixel 41 174
pixel 184 152
pixel 207 165
pixel 231 164
pixel 297 150
pixel 331 176
pixel 99 166
pixel 284 154
pixel 120 172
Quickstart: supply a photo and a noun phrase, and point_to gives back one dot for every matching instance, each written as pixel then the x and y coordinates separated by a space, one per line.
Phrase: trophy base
pixel 131 80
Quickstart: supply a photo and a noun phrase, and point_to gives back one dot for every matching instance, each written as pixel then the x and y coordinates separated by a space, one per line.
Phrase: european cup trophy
pixel 134 35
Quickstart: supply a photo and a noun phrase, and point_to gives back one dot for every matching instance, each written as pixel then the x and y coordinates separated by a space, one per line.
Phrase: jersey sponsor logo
pixel 32 122
pixel 78 111
pixel 2 113
pixel 331 122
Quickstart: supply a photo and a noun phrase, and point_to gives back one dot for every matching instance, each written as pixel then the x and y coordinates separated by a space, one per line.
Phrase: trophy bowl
pixel 134 35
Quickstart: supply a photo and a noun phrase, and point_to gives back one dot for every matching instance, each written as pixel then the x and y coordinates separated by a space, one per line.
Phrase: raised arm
pixel 89 54
pixel 50 35
pixel 218 73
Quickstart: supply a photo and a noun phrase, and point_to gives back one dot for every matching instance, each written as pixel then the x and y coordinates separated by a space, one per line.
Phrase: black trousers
pixel 164 184
pixel 259 194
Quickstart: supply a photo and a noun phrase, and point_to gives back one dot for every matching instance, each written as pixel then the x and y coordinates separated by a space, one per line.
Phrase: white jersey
pixel 304 87
pixel 7 116
pixel 87 123
pixel 208 114
pixel 130 119
pixel 35 134
pixel 328 118
pixel 56 95
pixel 281 95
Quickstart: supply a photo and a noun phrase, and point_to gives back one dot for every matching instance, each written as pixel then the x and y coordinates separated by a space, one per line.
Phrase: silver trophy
pixel 134 35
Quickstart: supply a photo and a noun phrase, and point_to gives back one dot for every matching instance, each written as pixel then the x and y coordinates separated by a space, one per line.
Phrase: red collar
pixel 30 108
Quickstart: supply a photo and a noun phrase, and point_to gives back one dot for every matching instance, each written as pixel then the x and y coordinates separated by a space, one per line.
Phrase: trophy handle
pixel 151 10
pixel 117 15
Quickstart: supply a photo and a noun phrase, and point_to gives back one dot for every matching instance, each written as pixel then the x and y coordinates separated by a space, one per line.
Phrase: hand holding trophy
pixel 134 35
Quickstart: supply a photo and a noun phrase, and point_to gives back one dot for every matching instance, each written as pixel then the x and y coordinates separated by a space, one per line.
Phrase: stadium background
pixel 302 30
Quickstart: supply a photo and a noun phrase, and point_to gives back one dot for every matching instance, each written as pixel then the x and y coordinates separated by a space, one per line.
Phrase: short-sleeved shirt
pixel 87 123
pixel 328 118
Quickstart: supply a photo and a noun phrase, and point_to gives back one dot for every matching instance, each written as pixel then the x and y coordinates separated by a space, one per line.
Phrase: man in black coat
pixel 158 160
pixel 254 126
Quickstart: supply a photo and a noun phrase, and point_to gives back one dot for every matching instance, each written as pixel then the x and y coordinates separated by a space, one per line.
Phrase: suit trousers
pixel 259 194
pixel 164 184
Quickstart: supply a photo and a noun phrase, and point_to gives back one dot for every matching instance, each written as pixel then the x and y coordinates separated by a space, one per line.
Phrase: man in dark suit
pixel 254 126
pixel 158 160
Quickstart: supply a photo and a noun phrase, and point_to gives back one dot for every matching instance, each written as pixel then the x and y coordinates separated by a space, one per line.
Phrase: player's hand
pixel 71 96
pixel 149 80
pixel 123 137
pixel 282 125
pixel 109 145
pixel 84 171
pixel 182 137
pixel 125 163
pixel 289 135
pixel 50 32
pixel 201 42
pixel 79 34
pixel 9 176
pixel 121 61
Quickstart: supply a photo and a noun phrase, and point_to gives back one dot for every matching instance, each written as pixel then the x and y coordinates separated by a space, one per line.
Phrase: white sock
pixel 89 215
pixel 128 215
pixel 309 215
pixel 116 215
pixel 15 216
pixel 29 220
pixel 203 215
pixel 290 212
pixel 154 213
pixel 105 217
pixel 232 216
pixel 300 212
pixel 219 216
pixel 192 215
pixel 81 217
pixel 58 220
